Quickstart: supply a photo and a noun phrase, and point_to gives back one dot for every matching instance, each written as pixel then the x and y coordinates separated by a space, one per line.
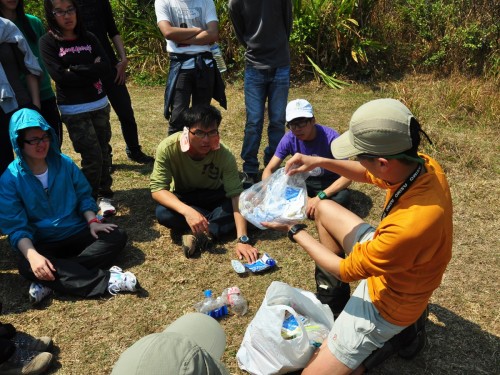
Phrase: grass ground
pixel 462 118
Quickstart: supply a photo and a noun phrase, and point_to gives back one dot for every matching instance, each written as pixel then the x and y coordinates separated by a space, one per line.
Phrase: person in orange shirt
pixel 401 261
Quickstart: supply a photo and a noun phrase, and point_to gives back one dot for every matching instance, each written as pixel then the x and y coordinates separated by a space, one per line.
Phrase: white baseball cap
pixel 298 108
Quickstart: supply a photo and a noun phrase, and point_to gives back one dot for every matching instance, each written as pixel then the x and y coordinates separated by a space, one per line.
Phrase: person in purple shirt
pixel 310 138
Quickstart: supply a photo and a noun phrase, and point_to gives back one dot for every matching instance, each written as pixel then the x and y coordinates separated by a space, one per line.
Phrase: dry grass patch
pixel 462 118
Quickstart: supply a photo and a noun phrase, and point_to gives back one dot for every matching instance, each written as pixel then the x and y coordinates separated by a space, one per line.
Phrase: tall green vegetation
pixel 353 38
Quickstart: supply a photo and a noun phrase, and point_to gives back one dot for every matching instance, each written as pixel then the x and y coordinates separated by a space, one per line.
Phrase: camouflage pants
pixel 90 133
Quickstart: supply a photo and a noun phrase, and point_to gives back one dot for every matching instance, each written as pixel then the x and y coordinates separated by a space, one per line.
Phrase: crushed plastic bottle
pixel 217 54
pixel 216 308
pixel 235 300
pixel 207 305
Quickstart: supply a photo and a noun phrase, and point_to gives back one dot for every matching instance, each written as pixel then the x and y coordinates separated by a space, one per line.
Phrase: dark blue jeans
pixel 213 204
pixel 81 262
pixel 261 85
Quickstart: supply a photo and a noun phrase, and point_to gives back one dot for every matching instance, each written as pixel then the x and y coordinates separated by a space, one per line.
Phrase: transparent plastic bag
pixel 279 197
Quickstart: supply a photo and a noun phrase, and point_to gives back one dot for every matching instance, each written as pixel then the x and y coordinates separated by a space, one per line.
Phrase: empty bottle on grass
pixel 235 300
pixel 216 308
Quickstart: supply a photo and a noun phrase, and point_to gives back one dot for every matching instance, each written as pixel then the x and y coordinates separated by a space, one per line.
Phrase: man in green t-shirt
pixel 196 183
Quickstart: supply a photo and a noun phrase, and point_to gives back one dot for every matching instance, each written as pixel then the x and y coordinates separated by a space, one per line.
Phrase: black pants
pixel 6 153
pixel 81 262
pixel 119 98
pixel 213 204
pixel 188 90
pixel 50 113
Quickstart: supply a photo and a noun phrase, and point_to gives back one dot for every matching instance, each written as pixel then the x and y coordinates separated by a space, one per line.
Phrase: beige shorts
pixel 359 329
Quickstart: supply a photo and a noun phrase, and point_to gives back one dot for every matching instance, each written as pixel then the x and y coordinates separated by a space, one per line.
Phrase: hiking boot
pixel 411 350
pixel 120 281
pixel 331 291
pixel 106 207
pixel 204 242
pixel 407 343
pixel 201 242
pixel 26 362
pixel 35 344
pixel 139 157
pixel 38 292
pixel 416 340
pixel 188 245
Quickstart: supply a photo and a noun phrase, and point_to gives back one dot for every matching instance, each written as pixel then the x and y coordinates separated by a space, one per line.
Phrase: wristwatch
pixel 322 195
pixel 294 230
pixel 244 239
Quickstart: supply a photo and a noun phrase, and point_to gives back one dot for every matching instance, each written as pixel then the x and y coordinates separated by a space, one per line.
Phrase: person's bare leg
pixel 323 362
pixel 336 226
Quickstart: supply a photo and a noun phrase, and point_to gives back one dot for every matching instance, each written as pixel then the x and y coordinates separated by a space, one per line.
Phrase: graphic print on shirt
pixel 187 18
pixel 211 171
pixel 63 51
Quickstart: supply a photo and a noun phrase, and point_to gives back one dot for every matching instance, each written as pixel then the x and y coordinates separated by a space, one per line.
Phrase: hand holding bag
pixel 279 197
pixel 263 350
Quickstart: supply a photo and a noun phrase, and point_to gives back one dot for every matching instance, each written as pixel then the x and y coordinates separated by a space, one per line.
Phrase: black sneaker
pixel 139 157
pixel 248 179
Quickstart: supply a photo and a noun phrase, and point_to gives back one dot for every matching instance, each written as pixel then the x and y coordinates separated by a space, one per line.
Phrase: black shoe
pixel 407 343
pixel 335 298
pixel 248 179
pixel 416 340
pixel 140 157
pixel 331 291
pixel 410 351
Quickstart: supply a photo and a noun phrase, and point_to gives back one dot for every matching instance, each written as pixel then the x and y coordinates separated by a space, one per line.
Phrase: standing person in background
pixel 97 16
pixel 189 28
pixel 16 59
pixel 33 29
pixel 76 62
pixel 263 27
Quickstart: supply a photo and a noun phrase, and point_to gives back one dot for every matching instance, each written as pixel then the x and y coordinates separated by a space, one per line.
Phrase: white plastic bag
pixel 279 198
pixel 263 350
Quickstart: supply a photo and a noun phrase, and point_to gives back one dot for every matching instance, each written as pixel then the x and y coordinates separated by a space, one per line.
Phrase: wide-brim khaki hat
pixel 192 345
pixel 379 127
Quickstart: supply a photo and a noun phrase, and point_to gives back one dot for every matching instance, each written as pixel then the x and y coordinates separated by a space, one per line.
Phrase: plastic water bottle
pixel 208 304
pixel 239 304
pixel 217 54
pixel 234 299
pixel 216 308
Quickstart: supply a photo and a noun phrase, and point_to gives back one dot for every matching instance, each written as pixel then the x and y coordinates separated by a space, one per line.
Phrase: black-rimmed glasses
pixel 298 124
pixel 37 141
pixel 202 134
pixel 62 13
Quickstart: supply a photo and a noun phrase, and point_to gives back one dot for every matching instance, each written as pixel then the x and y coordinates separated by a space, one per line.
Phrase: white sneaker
pixel 120 281
pixel 106 207
pixel 38 292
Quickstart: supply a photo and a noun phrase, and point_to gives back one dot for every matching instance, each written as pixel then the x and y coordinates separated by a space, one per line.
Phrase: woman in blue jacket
pixel 47 210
